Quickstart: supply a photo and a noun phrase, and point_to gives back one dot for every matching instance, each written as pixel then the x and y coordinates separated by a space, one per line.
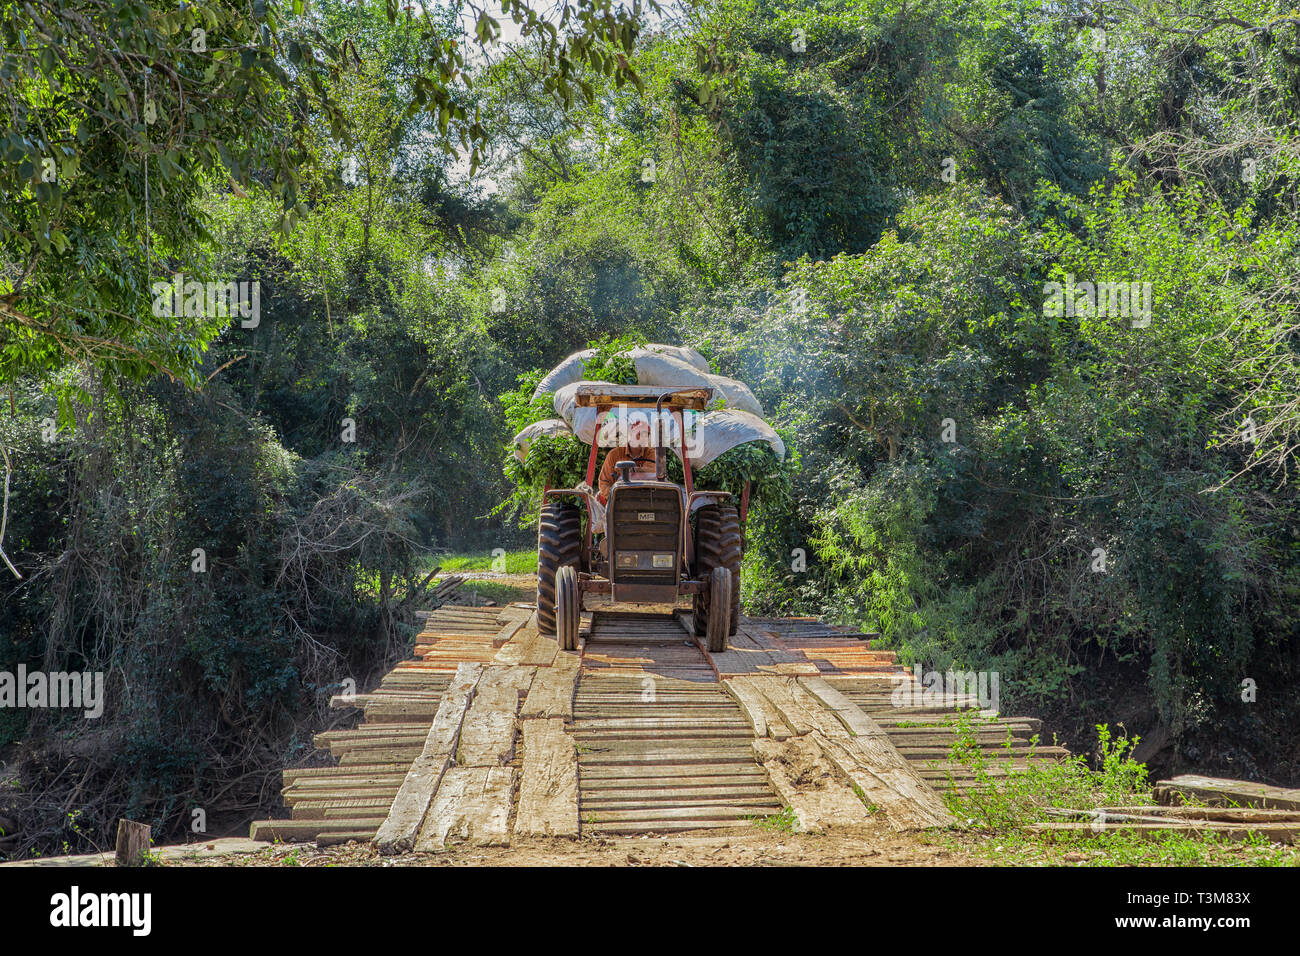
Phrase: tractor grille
pixel 645 528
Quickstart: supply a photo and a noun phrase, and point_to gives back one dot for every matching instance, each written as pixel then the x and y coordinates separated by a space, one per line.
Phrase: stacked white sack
pixel 570 370
pixel 653 368
pixel 549 426
pixel 719 432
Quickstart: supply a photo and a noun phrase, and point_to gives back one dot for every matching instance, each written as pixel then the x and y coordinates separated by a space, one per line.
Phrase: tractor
pixel 662 539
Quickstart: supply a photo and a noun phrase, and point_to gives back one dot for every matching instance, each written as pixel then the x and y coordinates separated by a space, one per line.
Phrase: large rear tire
pixel 718 544
pixel 559 545
pixel 567 611
pixel 721 585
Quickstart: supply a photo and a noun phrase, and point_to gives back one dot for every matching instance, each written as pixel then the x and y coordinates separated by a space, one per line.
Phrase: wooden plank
pixel 398 832
pixel 542 651
pixel 1219 791
pixel 518 642
pixel 857 747
pixel 757 789
pixel 663 827
pixel 516 612
pixel 315 809
pixel 300 830
pixel 487 738
pixel 1277 832
pixel 759 712
pixel 472 804
pixel 847 712
pixel 806 782
pixel 1219 814
pixel 336 777
pixel 721 814
pixel 553 688
pixel 337 837
pixel 887 781
pixel 778 692
pixel 548 791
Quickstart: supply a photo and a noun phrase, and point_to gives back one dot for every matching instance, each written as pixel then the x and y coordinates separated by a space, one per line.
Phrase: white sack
pixel 682 354
pixel 661 369
pixel 581 419
pixel 719 432
pixel 550 426
pixel 569 371
pixel 736 394
pixel 653 368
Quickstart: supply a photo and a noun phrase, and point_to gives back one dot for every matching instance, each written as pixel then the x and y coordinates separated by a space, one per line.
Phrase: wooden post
pixel 132 843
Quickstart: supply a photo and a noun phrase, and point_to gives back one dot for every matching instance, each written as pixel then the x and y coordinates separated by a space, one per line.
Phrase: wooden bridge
pixel 491 732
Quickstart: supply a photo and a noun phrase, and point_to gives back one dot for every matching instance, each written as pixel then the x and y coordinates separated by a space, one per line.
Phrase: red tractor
pixel 662 539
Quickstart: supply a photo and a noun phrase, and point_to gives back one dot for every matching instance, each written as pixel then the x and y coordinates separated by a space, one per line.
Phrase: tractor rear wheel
pixel 567 611
pixel 718 544
pixel 559 545
pixel 720 587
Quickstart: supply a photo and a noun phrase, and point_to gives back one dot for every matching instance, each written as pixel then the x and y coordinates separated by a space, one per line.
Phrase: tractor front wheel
pixel 567 610
pixel 721 585
pixel 559 545
pixel 718 543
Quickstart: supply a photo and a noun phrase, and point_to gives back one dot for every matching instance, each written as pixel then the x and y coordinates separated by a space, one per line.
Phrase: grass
pixel 512 562
pixel 783 822
pixel 998 811
pixel 500 593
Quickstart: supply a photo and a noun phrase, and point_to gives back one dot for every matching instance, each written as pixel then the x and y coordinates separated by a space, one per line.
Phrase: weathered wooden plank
pixel 548 790
pixel 756 789
pixel 361 759
pixel 542 651
pixel 298 830
pixel 518 642
pixel 361 806
pixel 1277 832
pixel 847 712
pixel 472 804
pixel 807 783
pixel 342 776
pixel 795 703
pixel 675 814
pixel 487 738
pixel 516 612
pixel 1219 814
pixel 757 709
pixel 887 781
pixel 411 805
pixel 553 688
pixel 856 746
pixel 1220 791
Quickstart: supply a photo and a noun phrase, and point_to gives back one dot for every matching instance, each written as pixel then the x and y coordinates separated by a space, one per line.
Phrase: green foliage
pixel 863 230
pixel 607 365
pixel 783 821
pixel 1003 803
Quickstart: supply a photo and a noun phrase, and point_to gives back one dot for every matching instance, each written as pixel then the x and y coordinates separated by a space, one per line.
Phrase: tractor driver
pixel 637 450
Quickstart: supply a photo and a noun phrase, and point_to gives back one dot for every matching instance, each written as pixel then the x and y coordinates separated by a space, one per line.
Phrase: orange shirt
pixel 643 457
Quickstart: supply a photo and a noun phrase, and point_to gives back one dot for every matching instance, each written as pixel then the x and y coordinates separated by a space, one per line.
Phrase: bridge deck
pixel 491 731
